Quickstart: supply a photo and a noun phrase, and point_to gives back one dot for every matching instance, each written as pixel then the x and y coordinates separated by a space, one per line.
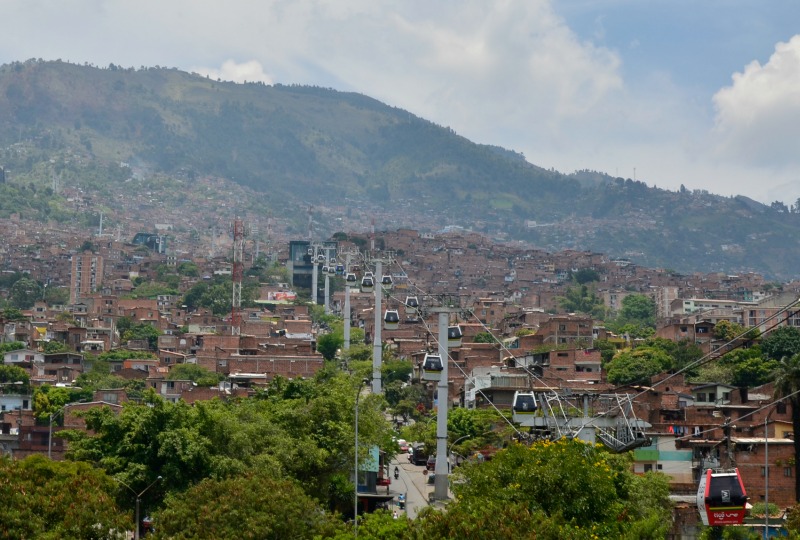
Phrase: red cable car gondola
pixel 721 498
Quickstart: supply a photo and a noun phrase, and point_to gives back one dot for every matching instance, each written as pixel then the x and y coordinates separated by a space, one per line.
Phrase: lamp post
pixel 138 500
pixel 363 383
pixel 450 451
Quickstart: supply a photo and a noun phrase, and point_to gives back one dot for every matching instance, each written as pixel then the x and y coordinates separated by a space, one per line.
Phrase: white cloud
pixel 757 116
pixel 251 71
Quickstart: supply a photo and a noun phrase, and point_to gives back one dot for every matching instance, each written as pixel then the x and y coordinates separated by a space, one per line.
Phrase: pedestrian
pixel 394 515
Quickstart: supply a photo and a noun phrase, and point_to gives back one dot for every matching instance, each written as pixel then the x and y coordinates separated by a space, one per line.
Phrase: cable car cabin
pixel 325 270
pixel 386 281
pixel 339 269
pixel 369 274
pixel 524 406
pixel 454 336
pixel 321 258
pixel 721 498
pixel 411 305
pixel 432 367
pixel 391 319
pixel 367 285
pixel 350 279
pixel 331 270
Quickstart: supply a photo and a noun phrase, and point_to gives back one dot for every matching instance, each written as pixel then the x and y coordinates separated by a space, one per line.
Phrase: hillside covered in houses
pixel 116 325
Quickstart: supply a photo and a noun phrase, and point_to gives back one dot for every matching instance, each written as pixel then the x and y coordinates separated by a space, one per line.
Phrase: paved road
pixel 413 483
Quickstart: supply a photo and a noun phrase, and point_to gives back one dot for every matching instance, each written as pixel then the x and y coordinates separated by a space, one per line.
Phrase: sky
pixel 704 94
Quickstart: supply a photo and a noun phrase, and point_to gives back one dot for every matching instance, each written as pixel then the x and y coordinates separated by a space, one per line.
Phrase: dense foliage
pixel 52 500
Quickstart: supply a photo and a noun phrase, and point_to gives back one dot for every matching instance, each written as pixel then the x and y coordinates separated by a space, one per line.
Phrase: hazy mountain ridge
pixel 315 146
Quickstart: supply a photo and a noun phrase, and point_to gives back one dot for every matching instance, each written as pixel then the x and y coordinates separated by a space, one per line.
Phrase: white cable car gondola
pixel 391 319
pixel 454 336
pixel 412 308
pixel 386 282
pixel 524 406
pixel 321 258
pixel 350 279
pixel 331 270
pixel 721 498
pixel 325 270
pixel 367 285
pixel 432 367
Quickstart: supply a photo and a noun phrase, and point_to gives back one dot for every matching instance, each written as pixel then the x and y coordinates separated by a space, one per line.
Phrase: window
pixel 763 471
pixel 787 472
pixel 648 467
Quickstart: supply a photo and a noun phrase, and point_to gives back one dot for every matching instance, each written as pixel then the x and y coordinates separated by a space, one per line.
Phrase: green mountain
pixel 305 146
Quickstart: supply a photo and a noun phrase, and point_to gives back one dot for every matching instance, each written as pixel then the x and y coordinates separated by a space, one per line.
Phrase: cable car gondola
pixel 524 406
pixel 432 367
pixel 339 269
pixel 721 498
pixel 454 336
pixel 391 319
pixel 325 270
pixel 350 279
pixel 386 281
pixel 331 270
pixel 367 285
pixel 412 307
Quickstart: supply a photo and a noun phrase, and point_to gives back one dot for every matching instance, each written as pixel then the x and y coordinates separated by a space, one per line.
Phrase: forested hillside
pixel 314 147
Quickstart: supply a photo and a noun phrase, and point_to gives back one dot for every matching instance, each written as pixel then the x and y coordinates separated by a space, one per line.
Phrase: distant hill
pixel 307 146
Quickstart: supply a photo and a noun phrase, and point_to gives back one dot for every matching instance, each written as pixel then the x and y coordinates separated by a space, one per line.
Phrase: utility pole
pixel 441 481
pixel 352 252
pixel 386 257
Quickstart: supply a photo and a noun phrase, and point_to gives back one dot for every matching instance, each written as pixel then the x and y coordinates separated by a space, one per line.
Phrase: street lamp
pixel 450 451
pixel 138 499
pixel 364 383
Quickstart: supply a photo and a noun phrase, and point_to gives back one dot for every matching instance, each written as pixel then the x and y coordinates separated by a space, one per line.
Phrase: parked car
pixel 418 456
pixel 430 464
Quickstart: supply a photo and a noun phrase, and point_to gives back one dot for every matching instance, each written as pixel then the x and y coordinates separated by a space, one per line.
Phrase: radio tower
pixel 238 274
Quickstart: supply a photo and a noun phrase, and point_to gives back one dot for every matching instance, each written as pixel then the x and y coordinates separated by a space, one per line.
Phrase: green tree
pixel 254 505
pixel 637 366
pixel 580 491
pixel 197 374
pixel 638 309
pixel 484 337
pixel 14 374
pixel 585 275
pixel 142 331
pixel 606 348
pixel 582 299
pixel 396 370
pixel 24 293
pixel 328 344
pixel 783 341
pixel 53 500
pixel 749 367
